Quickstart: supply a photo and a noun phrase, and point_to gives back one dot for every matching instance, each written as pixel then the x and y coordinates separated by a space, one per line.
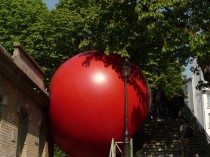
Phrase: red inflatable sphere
pixel 87 104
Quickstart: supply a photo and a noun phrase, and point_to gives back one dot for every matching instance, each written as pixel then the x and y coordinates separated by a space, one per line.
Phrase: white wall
pixel 206 98
pixel 189 90
pixel 198 100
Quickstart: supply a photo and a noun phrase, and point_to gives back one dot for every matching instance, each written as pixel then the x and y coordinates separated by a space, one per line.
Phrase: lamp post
pixel 126 139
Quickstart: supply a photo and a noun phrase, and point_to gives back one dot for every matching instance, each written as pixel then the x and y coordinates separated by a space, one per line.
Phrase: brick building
pixel 23 105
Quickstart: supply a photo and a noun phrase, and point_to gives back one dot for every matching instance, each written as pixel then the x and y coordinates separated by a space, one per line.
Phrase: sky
pixel 187 72
pixel 51 5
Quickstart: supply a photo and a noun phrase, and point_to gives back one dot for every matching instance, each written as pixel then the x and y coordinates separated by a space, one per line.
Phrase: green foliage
pixel 26 21
pixel 158 35
pixel 17 18
pixel 58 152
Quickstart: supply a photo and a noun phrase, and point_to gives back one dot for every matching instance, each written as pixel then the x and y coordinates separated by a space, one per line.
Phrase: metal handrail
pixel 114 145
pixel 198 128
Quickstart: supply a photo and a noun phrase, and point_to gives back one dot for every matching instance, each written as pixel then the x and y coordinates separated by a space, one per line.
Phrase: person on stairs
pixel 160 103
pixel 186 133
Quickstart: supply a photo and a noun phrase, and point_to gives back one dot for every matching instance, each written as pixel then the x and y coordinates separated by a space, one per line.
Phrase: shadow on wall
pixel 22 131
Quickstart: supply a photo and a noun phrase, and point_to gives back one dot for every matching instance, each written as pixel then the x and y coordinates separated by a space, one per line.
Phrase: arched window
pixel 3 97
pixel 22 127
pixel 42 135
pixel 1 105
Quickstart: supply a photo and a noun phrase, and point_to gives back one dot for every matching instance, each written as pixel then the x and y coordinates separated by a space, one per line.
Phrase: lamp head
pixel 126 68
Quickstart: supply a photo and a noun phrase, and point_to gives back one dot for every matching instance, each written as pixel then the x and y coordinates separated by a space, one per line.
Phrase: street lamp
pixel 126 139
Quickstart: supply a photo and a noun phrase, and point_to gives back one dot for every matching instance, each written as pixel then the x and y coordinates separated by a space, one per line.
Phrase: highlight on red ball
pixel 87 103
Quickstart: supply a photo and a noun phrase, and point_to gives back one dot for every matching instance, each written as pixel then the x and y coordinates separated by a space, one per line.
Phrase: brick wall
pixel 13 100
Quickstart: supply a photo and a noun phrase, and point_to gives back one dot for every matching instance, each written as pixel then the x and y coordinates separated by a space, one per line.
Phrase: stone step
pixel 161 145
pixel 160 138
pixel 158 154
pixel 170 145
pixel 165 154
pixel 160 133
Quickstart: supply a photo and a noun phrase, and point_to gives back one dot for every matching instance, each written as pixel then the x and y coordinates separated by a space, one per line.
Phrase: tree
pixel 58 152
pixel 26 21
pixel 155 34
pixel 18 18
pixel 152 33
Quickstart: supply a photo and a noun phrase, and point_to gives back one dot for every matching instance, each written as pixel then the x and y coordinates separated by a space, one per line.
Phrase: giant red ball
pixel 87 104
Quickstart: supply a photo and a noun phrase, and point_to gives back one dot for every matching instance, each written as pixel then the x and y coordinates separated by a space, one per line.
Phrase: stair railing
pixel 198 129
pixel 115 146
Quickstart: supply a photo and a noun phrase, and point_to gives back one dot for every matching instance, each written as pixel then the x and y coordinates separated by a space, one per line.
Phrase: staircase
pixel 160 138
